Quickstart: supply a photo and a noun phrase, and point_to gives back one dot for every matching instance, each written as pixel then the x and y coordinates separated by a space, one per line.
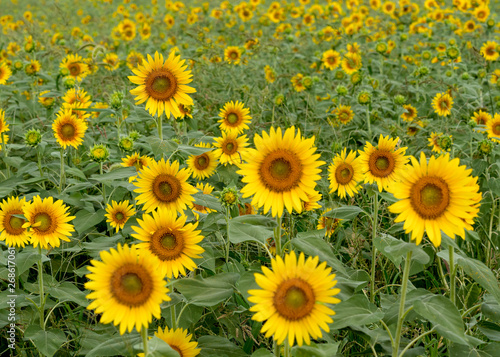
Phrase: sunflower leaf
pixel 396 249
pixel 355 311
pixel 345 212
pixel 47 342
pixel 250 228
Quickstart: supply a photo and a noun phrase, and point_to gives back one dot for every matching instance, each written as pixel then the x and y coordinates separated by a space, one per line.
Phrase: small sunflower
pixel 280 171
pixel 75 95
pixel 351 63
pixel 206 189
pixel 344 114
pixel 481 118
pixel 410 113
pixel 117 214
pixel 4 127
pixel 293 297
pixel 434 196
pixel 382 163
pixel 489 51
pixel 76 67
pixel 297 82
pixel 48 222
pixel 162 83
pixel 5 73
pixel 136 160
pixel 235 117
pixel 68 129
pixel 11 227
pixel 173 244
pixel 162 184
pixel 345 173
pixel 230 148
pixel 203 165
pixel 493 126
pixel 328 223
pixel 127 288
pixel 312 202
pixel 178 340
pixel 111 61
pixel 442 104
pixel 434 142
pixel 232 54
pixel 331 59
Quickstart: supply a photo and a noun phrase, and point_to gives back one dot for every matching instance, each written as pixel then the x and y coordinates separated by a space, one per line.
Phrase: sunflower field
pixel 250 178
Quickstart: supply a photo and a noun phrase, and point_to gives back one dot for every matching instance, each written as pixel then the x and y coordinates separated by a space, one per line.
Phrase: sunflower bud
pixel 341 90
pixel 32 137
pixel 126 144
pixel 99 153
pixel 485 147
pixel 399 99
pixel 229 197
pixel 445 142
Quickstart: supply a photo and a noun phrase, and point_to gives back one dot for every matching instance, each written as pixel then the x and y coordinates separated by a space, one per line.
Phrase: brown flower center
pixel 232 118
pixel 381 163
pixel 430 197
pixel 68 131
pixel 43 222
pixel 202 161
pixel 166 188
pixel 167 244
pixel 161 85
pixel 131 285
pixel 281 170
pixel 344 173
pixel 294 299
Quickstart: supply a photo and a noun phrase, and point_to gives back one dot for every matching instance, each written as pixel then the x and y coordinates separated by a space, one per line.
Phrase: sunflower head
pixel 234 117
pixel 11 222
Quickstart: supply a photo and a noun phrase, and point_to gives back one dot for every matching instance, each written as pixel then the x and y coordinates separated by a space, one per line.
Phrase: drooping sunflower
pixel 4 127
pixel 178 340
pixel 162 83
pixel 382 163
pixel 5 73
pixel 410 113
pixel 331 59
pixel 493 126
pixel 136 160
pixel 172 243
pixel 203 165
pixel 48 222
pixel 117 214
pixel 442 104
pixel 292 299
pixel 76 67
pixel 127 288
pixel 345 173
pixel 11 227
pixel 489 51
pixel 162 184
pixel 234 117
pixel 436 196
pixel 280 171
pixel 68 129
pixel 231 148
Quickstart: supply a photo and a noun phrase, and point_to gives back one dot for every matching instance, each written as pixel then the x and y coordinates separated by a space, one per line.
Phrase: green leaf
pixel 158 348
pixel 262 352
pixel 73 171
pixel 69 292
pixel 489 350
pixel 47 342
pixel 445 318
pixel 193 150
pixel 27 258
pixel 218 347
pixel 207 201
pixel 251 228
pixel 117 345
pixel 356 311
pixel 345 212
pixel 490 330
pixel 84 219
pixel 116 176
pixel 396 249
pixel 491 308
pixel 316 350
pixel 210 291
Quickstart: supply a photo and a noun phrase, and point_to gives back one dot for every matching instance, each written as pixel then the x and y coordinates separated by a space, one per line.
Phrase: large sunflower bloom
pixel 11 227
pixel 235 117
pixel 382 163
pixel 292 299
pixel 117 214
pixel 68 129
pixel 434 196
pixel 493 126
pixel 280 171
pixel 203 165
pixel 172 243
pixel 178 340
pixel 126 288
pixel 345 174
pixel 489 51
pixel 76 67
pixel 162 184
pixel 48 222
pixel 162 83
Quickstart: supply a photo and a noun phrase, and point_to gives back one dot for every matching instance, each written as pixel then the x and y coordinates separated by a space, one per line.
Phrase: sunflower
pixel 345 174
pixel 127 288
pixel 74 95
pixel 434 196
pixel 442 104
pixel 173 244
pixel 382 163
pixel 231 148
pixel 482 12
pixel 206 189
pixel 137 161
pixel 494 128
pixel 344 114
pixel 280 171
pixel 434 142
pixel 495 77
pixel 331 59
pixel 203 165
pixel 5 73
pixel 162 184
pixel 292 299
pixel 489 51
pixel 119 213
pixel 410 112
pixel 297 83
pixel 351 63
pixel 4 127
pixel 68 129
pixel 312 202
pixel 162 84
pixel 32 68
pixel 328 223
pixel 134 59
pixel 234 117
pixel 76 67
pixel 11 226
pixel 232 54
pixel 179 341
pixel 48 222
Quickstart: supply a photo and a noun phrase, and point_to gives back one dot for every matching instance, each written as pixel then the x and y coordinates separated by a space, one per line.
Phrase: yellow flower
pixel 232 54
pixel 331 59
pixel 493 126
pixel 11 227
pixel 179 341
pixel 5 73
pixel 117 214
pixel 230 148
pixel 234 117
pixel 489 51
pixel 345 173
pixel 76 67
pixel 203 165
pixel 442 104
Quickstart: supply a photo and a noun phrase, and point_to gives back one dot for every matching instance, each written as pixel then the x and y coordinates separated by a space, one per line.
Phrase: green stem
pixel 228 245
pixel 276 349
pixel 490 231
pixel 160 126
pixel 173 317
pixel 412 342
pixel 401 315
pixel 103 186
pixel 62 181
pixel 441 273
pixel 144 334
pixel 374 250
pixel 453 272
pixel 287 348
pixel 368 122
pixel 277 238
pixel 40 283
